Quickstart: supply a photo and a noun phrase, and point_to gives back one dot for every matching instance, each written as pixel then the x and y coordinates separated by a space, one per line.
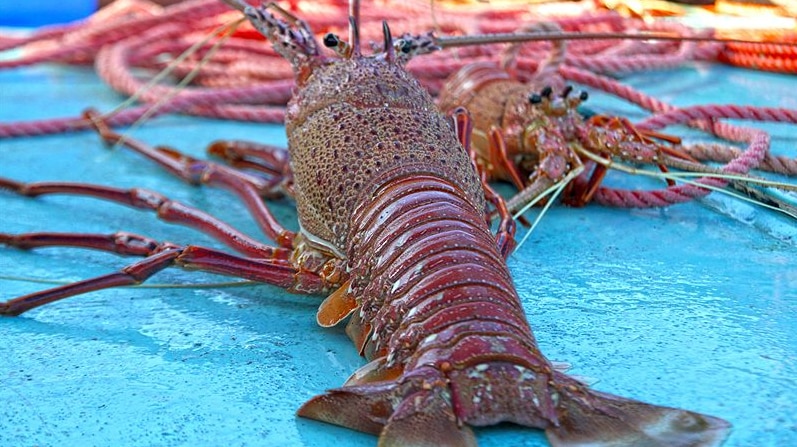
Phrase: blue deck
pixel 691 306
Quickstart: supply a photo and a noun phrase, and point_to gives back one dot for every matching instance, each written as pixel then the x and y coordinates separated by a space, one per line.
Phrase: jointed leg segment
pixel 195 172
pixel 260 262
pixel 276 272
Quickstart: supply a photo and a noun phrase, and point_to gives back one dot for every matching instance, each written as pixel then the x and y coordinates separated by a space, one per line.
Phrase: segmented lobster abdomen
pixel 434 291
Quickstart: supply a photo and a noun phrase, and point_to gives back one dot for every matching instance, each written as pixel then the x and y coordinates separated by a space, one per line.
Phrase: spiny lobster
pixel 380 176
pixel 531 132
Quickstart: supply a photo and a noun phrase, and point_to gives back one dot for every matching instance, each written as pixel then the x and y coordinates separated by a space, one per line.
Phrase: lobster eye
pixel 583 96
pixel 405 46
pixel 566 91
pixel 331 40
pixel 535 98
pixel 546 91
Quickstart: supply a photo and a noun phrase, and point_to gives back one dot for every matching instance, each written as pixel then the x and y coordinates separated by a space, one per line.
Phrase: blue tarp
pixel 691 306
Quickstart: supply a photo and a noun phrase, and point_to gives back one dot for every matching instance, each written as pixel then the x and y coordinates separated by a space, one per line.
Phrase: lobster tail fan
pixel 604 420
pixel 425 419
pixel 364 408
pixel 421 418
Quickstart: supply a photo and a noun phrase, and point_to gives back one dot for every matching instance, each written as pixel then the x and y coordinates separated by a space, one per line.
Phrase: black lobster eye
pixel 535 98
pixel 583 96
pixel 546 91
pixel 566 91
pixel 331 40
pixel 405 46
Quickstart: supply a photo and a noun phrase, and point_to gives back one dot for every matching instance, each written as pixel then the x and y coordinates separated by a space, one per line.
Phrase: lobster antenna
pixel 225 31
pixel 461 41
pixel 554 192
pixel 390 52
pixel 680 177
pixel 354 23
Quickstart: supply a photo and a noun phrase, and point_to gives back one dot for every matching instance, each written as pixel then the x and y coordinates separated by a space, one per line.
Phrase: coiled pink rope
pixel 245 79
pixel 118 44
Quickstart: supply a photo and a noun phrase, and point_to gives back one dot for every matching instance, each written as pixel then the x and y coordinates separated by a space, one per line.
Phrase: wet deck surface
pixel 692 306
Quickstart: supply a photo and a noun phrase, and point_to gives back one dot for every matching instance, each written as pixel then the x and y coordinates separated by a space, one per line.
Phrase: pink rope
pixel 243 82
pixel 686 114
pixel 723 153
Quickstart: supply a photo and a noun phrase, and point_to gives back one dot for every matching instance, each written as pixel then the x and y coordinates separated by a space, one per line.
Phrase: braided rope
pixel 723 153
pixel 234 84
pixel 778 57
pixel 712 111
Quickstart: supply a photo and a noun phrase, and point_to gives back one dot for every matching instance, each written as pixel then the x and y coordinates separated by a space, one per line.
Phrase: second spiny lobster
pixel 532 133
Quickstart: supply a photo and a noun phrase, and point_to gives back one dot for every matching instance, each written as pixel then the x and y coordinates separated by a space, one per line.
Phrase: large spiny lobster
pixel 379 174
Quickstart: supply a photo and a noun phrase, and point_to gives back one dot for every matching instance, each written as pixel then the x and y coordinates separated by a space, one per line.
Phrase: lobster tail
pixel 423 418
pixel 417 411
pixel 601 420
pixel 448 342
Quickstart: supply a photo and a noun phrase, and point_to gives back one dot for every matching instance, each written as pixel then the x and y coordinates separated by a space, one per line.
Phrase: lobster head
pixel 355 120
pixel 292 38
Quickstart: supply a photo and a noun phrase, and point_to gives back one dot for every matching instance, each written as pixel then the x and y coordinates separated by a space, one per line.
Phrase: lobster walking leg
pixel 166 209
pixel 249 188
pixel 270 160
pixel 505 235
pixel 121 242
pixel 190 257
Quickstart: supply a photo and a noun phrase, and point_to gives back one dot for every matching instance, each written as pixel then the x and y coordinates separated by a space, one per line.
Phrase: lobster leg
pixel 505 236
pixel 121 242
pixel 581 193
pixel 267 159
pixel 191 257
pixel 245 154
pixel 165 208
pixel 498 154
pixel 196 172
pixel 618 137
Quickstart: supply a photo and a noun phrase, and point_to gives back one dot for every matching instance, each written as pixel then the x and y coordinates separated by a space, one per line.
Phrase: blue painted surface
pixel 692 306
pixel 44 12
